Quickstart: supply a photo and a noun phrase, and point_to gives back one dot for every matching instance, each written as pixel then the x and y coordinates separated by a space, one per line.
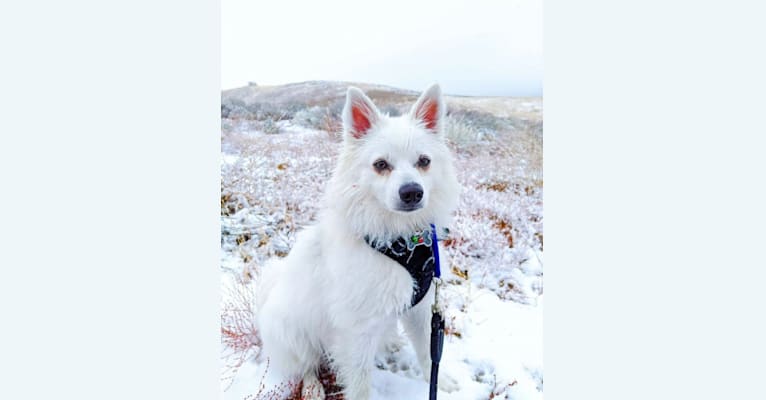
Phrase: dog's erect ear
pixel 359 114
pixel 429 109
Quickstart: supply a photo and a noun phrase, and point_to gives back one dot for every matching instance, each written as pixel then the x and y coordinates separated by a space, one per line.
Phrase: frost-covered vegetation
pixel 279 146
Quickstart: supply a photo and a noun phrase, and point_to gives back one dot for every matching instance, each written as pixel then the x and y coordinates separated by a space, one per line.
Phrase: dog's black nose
pixel 411 193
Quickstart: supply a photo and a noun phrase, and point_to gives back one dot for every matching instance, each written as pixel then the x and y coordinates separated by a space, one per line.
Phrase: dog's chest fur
pixel 363 279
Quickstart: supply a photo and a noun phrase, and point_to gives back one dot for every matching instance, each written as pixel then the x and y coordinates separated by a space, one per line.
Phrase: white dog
pixel 335 295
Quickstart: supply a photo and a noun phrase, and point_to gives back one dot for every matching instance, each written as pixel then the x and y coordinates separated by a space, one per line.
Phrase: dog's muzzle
pixel 410 195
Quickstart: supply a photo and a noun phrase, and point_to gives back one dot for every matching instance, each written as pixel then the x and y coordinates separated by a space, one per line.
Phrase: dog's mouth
pixel 409 208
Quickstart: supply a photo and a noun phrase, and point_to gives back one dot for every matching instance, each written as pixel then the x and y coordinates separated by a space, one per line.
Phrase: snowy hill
pixel 279 145
pixel 330 93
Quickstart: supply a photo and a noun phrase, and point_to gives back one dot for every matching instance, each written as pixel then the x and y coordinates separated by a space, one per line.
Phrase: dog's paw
pixel 391 344
pixel 312 388
pixel 391 341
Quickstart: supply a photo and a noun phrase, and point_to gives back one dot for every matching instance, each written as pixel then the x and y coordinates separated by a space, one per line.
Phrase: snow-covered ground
pixel 273 172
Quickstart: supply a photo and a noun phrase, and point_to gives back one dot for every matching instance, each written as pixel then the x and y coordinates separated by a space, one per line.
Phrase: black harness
pixel 416 255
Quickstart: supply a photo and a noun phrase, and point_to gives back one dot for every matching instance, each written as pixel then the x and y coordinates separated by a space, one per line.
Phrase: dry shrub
pixel 331 124
pixel 332 389
pixel 499 390
pixel 294 390
pixel 505 228
pixel 238 333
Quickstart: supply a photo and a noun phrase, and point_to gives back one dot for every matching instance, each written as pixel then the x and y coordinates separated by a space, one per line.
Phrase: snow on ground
pixel 273 173
pixel 499 351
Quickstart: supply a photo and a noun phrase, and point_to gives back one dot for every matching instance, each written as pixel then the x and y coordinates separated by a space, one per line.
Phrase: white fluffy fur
pixel 333 294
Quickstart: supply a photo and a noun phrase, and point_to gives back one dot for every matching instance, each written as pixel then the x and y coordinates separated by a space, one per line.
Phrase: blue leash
pixel 437 324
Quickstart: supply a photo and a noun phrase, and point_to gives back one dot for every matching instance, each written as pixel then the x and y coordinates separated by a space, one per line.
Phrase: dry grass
pixel 272 190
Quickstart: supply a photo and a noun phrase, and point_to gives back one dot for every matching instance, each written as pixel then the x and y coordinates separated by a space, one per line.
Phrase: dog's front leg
pixel 417 324
pixel 352 357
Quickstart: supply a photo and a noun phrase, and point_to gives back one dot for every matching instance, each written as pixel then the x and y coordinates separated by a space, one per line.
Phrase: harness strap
pixel 417 255
pixel 435 240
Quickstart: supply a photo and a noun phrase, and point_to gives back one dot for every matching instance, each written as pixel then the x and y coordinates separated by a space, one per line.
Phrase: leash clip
pixel 435 307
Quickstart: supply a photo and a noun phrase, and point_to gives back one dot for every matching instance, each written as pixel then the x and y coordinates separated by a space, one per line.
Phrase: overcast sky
pixel 491 48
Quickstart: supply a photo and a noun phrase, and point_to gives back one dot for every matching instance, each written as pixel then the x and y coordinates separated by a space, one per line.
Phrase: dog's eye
pixel 423 161
pixel 380 165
